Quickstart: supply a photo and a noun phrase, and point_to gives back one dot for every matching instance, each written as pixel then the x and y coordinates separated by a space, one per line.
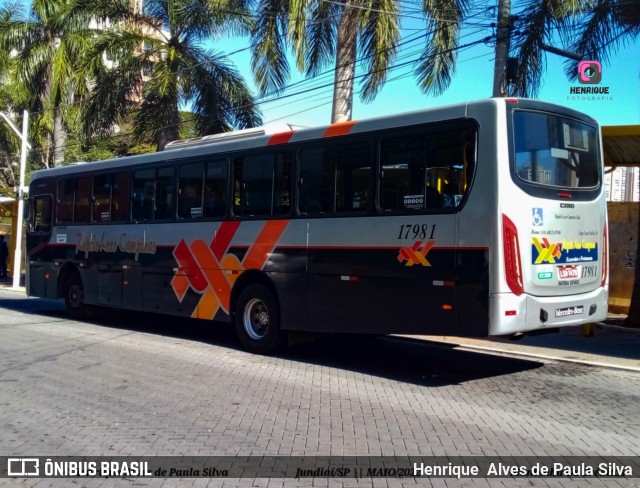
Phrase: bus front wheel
pixel 257 320
pixel 74 297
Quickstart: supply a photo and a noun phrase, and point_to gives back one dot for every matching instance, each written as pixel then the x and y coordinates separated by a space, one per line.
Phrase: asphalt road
pixel 143 385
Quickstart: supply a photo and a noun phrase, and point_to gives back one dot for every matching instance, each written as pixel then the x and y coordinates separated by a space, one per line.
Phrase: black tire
pixel 74 297
pixel 257 320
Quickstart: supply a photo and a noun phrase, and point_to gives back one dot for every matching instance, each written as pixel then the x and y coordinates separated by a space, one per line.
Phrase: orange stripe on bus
pixel 266 241
pixel 186 260
pixel 223 238
pixel 339 129
pixel 281 138
pixel 211 270
pixel 207 306
pixel 203 270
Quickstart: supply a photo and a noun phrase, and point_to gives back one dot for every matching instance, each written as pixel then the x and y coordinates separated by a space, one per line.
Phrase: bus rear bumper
pixel 510 314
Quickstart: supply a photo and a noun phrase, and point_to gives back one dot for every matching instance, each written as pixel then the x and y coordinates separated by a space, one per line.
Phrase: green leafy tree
pixel 155 61
pixel 321 32
pixel 46 45
pixel 9 144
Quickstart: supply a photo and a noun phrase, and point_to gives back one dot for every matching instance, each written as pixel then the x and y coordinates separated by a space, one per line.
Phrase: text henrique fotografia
pixel 590 74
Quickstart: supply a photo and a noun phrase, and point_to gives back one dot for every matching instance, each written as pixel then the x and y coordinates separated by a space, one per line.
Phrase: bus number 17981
pixel 416 231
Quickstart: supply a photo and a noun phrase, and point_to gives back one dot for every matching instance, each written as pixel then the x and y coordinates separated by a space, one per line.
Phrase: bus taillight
pixel 605 254
pixel 513 266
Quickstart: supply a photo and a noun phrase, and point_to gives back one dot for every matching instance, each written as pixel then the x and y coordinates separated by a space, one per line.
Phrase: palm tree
pixel 592 29
pixel 46 47
pixel 9 145
pixel 320 32
pixel 154 61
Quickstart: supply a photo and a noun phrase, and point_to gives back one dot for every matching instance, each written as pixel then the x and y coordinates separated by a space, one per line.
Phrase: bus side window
pixel 190 191
pixel 403 180
pixel 317 184
pixel 144 194
pixel 120 197
pixel 165 194
pixel 40 218
pixel 282 184
pixel 426 170
pixel 254 181
pixel 215 189
pixel 451 161
pixel 101 207
pixel 66 192
pixel 353 179
pixel 82 204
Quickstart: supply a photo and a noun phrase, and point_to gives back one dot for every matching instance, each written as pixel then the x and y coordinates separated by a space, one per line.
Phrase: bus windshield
pixel 555 151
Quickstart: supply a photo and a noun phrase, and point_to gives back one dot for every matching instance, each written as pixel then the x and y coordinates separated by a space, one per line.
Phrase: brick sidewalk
pixel 611 346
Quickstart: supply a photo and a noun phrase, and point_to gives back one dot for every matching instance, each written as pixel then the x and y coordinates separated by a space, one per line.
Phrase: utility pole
pixel 503 38
pixel 17 255
pixel 345 66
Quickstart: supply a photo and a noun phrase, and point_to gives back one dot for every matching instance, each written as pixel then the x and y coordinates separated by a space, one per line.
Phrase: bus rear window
pixel 555 151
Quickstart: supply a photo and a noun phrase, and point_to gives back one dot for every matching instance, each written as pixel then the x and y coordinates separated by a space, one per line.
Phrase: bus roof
pixel 272 135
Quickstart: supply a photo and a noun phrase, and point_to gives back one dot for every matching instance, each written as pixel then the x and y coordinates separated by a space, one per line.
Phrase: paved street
pixel 143 385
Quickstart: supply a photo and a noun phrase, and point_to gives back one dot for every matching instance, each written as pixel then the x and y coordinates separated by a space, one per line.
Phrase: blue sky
pixel 473 80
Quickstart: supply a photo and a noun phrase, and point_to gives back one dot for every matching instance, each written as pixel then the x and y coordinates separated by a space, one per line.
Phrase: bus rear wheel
pixel 74 297
pixel 257 320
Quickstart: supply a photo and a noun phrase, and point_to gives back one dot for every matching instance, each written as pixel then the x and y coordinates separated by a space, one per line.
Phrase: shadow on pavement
pixel 38 306
pixel 421 363
pixel 618 342
pixel 417 362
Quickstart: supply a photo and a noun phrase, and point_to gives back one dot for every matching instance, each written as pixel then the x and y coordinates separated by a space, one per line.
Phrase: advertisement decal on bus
pixel 211 271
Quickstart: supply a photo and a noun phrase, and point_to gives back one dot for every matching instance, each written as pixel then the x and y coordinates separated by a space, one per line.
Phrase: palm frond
pixel 297 30
pixel 537 21
pixel 230 17
pixel 158 119
pixel 268 57
pixel 221 99
pixel 322 36
pixel 603 30
pixel 436 66
pixel 378 44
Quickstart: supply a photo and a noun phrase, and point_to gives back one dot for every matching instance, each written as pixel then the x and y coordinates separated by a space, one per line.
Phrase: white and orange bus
pixel 478 219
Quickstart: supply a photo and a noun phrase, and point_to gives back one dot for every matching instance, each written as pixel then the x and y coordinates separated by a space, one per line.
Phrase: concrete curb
pixel 528 355
pixel 547 352
pixel 20 290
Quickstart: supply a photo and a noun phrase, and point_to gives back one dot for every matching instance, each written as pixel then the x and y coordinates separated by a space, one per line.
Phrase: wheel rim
pixel 256 319
pixel 75 296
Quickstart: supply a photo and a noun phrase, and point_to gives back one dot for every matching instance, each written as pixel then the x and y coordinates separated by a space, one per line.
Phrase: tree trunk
pixel 345 66
pixel 170 133
pixel 502 48
pixel 59 138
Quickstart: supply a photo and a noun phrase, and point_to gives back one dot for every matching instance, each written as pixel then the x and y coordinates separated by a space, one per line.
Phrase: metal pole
pixel 17 257
pixel 561 52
